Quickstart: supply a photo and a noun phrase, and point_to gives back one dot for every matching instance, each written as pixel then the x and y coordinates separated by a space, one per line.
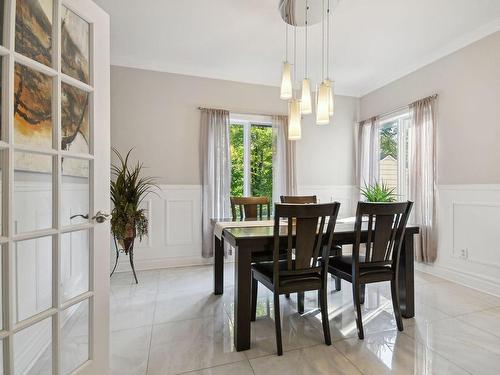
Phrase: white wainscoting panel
pixel 175 230
pixel 469 236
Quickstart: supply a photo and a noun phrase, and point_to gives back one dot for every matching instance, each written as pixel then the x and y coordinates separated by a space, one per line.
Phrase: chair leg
pixel 324 315
pixel 338 283
pixel 255 285
pixel 287 295
pixel 357 309
pixel 362 289
pixel 395 304
pixel 300 302
pixel 277 323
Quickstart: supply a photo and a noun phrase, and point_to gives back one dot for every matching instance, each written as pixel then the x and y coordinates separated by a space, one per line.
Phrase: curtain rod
pixel 244 112
pixel 433 96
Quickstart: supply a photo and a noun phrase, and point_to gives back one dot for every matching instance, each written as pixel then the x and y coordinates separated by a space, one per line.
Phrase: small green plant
pixel 128 190
pixel 378 192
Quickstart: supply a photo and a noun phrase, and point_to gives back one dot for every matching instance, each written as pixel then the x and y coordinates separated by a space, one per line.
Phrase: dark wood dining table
pixel 258 239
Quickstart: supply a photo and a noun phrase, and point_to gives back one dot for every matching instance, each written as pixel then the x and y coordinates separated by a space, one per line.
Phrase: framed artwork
pixel 75 45
pixel 33 37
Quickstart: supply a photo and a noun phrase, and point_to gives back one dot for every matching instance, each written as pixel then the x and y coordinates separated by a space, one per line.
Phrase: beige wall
pixel 156 113
pixel 468 84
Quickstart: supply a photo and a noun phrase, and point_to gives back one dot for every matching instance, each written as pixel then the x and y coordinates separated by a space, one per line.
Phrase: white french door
pixel 54 160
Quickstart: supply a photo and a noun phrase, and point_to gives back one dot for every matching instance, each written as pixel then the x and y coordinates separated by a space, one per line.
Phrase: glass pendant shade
pixel 294 120
pixel 286 81
pixel 305 102
pixel 323 104
pixel 330 94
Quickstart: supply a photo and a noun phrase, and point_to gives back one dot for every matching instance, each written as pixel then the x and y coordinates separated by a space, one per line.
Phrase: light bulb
pixel 331 95
pixel 322 104
pixel 286 82
pixel 305 102
pixel 294 120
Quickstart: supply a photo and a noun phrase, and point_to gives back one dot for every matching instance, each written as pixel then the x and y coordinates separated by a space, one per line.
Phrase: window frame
pixel 402 118
pixel 247 121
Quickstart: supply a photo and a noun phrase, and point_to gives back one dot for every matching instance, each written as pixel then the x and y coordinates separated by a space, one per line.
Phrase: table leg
pixel 242 298
pixel 406 282
pixel 218 265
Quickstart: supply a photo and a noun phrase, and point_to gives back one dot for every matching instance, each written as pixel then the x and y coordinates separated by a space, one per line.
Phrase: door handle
pixel 100 217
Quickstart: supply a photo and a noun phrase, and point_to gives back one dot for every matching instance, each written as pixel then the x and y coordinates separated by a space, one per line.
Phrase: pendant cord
pixel 323 41
pixel 328 40
pixel 306 31
pixel 286 42
pixel 294 59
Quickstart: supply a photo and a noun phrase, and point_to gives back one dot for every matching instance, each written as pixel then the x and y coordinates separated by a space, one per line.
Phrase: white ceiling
pixel 375 41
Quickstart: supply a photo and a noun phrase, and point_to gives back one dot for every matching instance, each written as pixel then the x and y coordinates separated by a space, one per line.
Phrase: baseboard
pixel 168 262
pixel 482 284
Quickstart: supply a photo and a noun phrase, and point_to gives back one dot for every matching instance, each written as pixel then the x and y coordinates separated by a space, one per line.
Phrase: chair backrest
pixel 307 222
pixel 385 230
pixel 299 199
pixel 250 207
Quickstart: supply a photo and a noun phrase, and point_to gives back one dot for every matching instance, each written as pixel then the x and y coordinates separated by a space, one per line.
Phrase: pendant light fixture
pixel 328 80
pixel 286 74
pixel 294 115
pixel 305 103
pixel 322 92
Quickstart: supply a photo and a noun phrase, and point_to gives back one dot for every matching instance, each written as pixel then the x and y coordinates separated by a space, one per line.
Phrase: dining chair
pixel 305 271
pixel 335 251
pixel 382 234
pixel 250 207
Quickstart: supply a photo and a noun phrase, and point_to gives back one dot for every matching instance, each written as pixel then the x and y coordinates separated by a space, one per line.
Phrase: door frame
pixel 99 176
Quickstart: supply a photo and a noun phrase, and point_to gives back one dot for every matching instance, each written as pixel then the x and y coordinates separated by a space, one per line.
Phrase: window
pixel 393 156
pixel 251 140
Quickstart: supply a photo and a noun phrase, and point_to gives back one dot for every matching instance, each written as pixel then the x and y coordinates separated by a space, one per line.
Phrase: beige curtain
pixel 284 169
pixel 216 172
pixel 367 151
pixel 422 172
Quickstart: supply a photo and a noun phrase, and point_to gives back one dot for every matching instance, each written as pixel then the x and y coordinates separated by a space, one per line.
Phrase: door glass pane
pixel 75 263
pixel 75 336
pixel 74 119
pixel 33 349
pixel 32 191
pixel 33 277
pixel 34 29
pixel 32 107
pixel 75 45
pixel 75 191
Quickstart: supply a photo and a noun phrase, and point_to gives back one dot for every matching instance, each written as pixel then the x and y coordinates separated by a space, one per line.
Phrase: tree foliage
pixel 389 141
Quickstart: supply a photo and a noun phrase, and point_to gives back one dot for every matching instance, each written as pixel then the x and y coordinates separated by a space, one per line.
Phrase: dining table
pixel 250 236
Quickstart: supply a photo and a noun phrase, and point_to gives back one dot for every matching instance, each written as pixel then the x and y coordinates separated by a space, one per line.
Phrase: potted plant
pixel 378 192
pixel 128 190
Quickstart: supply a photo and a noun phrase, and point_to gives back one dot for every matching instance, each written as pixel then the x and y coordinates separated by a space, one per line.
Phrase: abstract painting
pixel 32 107
pixel 75 45
pixel 34 29
pixel 74 119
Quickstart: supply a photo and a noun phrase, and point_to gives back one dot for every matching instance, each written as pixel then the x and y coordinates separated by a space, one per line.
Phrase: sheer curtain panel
pixel 422 172
pixel 367 152
pixel 216 172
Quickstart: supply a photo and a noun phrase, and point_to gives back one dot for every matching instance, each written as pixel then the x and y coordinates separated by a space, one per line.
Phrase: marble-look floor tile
pixel 452 299
pixel 192 345
pixel 181 306
pixel 319 360
pixel 131 312
pixel 238 368
pixel 129 351
pixel 487 320
pixel 393 352
pixel 189 279
pixel 426 278
pixel 471 348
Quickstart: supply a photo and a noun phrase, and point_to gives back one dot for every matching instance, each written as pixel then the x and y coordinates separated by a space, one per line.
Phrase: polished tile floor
pixel 171 323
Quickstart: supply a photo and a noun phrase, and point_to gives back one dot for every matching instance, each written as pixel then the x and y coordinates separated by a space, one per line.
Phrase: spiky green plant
pixel 378 192
pixel 128 190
